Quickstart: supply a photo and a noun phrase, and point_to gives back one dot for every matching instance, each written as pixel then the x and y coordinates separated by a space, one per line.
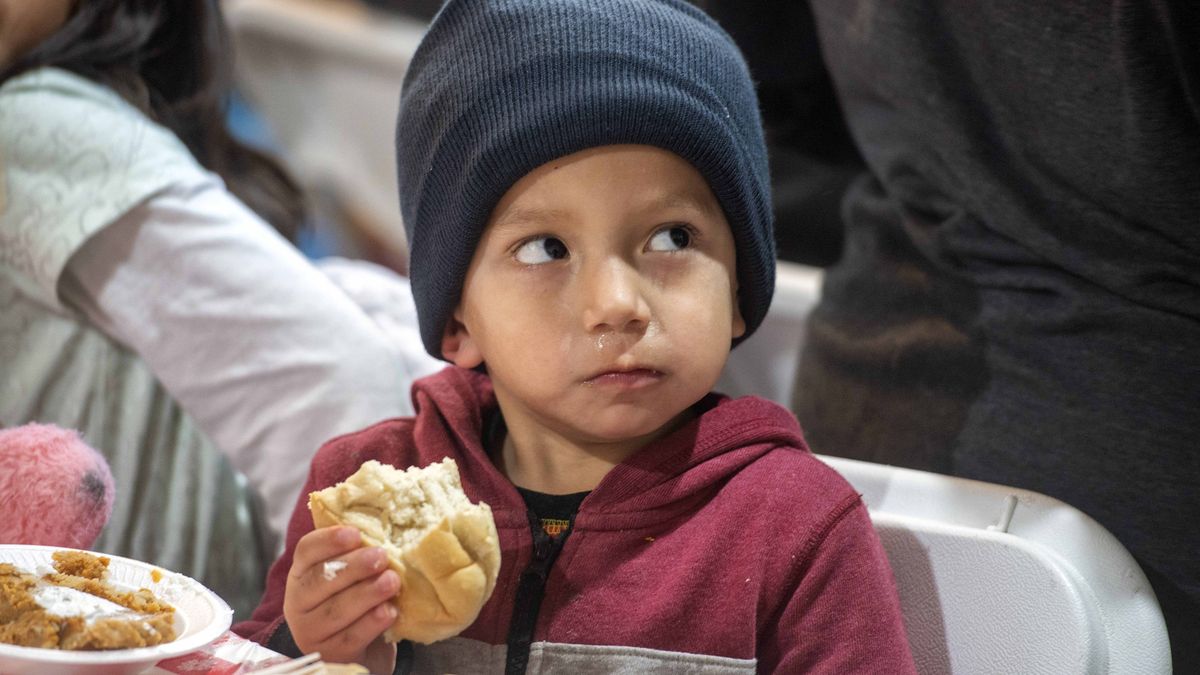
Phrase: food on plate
pixel 73 607
pixel 444 548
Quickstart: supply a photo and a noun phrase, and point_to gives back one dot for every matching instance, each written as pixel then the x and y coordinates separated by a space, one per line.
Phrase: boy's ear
pixel 457 345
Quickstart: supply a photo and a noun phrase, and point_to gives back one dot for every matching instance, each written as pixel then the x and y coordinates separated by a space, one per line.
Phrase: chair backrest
pixel 995 579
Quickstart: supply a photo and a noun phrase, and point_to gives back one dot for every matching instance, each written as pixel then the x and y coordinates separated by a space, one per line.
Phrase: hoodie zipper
pixel 530 591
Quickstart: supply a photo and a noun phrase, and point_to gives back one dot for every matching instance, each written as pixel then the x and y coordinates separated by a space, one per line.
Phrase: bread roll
pixel 444 548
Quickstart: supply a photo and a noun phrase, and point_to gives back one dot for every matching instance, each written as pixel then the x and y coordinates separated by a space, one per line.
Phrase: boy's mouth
pixel 625 378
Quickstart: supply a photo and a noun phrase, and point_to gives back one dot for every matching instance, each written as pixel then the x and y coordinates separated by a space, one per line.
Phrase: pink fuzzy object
pixel 55 490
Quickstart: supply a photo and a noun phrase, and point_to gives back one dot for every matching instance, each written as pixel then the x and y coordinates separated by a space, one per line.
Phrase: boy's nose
pixel 613 298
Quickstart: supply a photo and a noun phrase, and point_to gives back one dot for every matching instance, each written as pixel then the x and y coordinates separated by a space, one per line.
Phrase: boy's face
pixel 602 296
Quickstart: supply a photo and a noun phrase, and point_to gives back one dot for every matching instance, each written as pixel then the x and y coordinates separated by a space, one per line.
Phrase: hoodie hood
pixel 662 479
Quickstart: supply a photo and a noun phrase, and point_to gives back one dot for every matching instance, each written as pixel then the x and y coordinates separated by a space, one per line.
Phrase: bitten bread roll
pixel 444 548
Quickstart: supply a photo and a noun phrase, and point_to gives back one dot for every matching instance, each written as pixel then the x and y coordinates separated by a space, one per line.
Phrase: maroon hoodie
pixel 725 547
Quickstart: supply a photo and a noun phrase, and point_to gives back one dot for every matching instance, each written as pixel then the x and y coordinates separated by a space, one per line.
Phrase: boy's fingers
pixel 317 584
pixel 352 641
pixel 353 608
pixel 322 544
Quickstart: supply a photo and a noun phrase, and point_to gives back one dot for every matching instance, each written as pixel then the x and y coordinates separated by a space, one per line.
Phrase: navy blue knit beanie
pixel 499 87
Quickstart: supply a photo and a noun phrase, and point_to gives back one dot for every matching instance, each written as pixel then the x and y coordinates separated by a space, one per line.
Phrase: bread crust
pixel 446 576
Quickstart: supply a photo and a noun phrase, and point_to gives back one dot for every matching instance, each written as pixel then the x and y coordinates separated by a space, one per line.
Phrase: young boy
pixel 585 188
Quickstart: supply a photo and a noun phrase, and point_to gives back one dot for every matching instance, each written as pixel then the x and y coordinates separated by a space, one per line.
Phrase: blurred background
pixel 318 85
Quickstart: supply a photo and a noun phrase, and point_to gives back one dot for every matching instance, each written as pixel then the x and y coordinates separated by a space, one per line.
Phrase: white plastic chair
pixel 995 579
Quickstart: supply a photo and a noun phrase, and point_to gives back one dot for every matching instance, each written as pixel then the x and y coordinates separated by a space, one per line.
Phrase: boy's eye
pixel 674 238
pixel 541 250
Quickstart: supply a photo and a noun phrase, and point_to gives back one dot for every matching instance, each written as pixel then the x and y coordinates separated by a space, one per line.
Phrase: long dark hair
pixel 170 60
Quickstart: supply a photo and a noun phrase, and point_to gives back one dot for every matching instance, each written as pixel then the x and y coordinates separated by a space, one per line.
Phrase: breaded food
pixel 75 608
pixel 444 548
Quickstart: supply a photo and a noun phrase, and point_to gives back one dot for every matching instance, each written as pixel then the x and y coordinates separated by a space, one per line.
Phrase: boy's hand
pixel 341 611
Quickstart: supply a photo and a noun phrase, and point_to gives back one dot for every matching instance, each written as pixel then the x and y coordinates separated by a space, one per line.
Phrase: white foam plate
pixel 200 617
